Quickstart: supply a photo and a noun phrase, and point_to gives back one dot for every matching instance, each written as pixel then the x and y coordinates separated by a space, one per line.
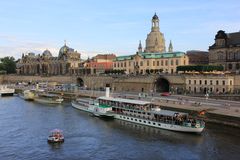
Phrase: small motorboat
pixel 56 136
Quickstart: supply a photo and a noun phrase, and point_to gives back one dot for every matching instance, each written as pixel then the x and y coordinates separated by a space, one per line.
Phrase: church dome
pixel 155 16
pixel 47 53
pixel 63 50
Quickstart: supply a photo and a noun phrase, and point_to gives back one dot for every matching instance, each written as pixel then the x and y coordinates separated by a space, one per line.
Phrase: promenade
pixel 219 111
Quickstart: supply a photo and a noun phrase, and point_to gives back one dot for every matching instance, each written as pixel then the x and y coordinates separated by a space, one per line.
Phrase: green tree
pixel 8 64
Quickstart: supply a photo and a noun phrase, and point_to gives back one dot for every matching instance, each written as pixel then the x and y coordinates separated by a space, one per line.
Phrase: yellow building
pixel 154 59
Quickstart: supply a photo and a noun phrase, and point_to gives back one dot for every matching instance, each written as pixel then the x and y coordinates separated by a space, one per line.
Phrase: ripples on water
pixel 26 125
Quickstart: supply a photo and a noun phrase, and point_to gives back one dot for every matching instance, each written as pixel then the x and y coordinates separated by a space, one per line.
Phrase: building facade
pixel 147 63
pixel 226 51
pixel 100 63
pixel 209 84
pixel 198 57
pixel 154 59
pixel 67 62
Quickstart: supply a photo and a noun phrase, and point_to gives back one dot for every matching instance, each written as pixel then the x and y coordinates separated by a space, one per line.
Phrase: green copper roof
pixel 152 56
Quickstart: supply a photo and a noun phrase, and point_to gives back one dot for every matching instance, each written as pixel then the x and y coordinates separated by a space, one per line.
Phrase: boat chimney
pixel 37 86
pixel 107 90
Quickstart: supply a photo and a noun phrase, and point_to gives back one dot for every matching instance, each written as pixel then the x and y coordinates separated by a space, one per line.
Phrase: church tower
pixel 170 47
pixel 155 41
pixel 140 47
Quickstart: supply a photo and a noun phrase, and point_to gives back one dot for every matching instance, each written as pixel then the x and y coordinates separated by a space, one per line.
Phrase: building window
pixel 230 82
pixel 200 82
pixel 189 82
pixel 195 82
pixel 237 66
pixel 176 61
pixel 223 83
pixel 129 63
pixel 166 62
pixel 161 62
pixel 153 63
pixel 223 90
pixel 147 62
pixel 216 82
pixel 172 62
pixel 125 64
pixel 122 64
pixel 205 82
pixel 210 82
pixel 157 63
pixel 141 63
pixel 230 66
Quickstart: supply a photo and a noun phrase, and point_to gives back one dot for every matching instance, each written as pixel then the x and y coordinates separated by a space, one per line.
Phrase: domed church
pixel 155 41
pixel 155 59
pixel 67 62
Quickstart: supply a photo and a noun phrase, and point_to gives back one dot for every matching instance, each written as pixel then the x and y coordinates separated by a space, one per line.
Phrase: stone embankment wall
pixel 1 79
pixel 17 78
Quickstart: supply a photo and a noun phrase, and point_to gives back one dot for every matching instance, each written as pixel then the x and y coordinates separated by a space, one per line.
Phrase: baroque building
pixel 100 63
pixel 226 51
pixel 154 59
pixel 67 62
pixel 216 84
pixel 155 41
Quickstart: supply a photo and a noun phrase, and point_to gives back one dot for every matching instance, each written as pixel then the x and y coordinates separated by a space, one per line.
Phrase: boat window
pixel 139 112
pixel 149 122
pixel 140 120
pixel 154 123
pixel 144 113
pixel 131 118
pixel 149 113
pixel 144 121
pixel 135 119
pixel 127 118
pixel 120 116
pixel 123 117
pixel 159 124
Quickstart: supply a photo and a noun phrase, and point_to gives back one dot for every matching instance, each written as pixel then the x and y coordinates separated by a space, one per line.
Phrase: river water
pixel 24 128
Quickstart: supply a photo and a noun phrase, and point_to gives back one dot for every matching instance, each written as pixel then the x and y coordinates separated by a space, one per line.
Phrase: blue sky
pixel 111 26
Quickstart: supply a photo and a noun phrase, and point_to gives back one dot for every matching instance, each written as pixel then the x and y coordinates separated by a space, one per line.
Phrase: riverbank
pixel 226 115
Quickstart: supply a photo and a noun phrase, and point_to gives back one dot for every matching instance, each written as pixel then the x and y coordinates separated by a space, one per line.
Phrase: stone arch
pixel 80 82
pixel 162 85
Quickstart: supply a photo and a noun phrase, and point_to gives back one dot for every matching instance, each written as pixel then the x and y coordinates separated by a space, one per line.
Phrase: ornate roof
pixel 63 50
pixel 155 16
pixel 47 53
pixel 221 35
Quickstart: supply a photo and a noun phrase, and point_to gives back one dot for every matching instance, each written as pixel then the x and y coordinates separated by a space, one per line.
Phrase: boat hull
pixel 160 125
pixel 81 107
pixel 6 94
pixel 46 101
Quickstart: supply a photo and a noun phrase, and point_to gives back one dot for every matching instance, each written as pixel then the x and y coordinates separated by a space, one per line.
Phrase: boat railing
pixel 185 123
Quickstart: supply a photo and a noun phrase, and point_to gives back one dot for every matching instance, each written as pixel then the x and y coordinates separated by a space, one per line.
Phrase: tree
pixel 200 68
pixel 8 64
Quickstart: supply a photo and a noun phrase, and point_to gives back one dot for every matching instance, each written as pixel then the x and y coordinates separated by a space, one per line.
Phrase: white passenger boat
pixel 92 107
pixel 149 114
pixel 84 105
pixel 48 98
pixel 5 91
pixel 28 95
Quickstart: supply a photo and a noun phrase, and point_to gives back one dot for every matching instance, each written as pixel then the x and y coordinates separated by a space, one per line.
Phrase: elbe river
pixel 25 126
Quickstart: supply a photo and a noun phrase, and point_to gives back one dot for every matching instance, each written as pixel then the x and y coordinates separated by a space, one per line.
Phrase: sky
pixel 111 26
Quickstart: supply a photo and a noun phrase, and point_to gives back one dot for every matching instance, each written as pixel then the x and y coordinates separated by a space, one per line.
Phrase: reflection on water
pixel 25 127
